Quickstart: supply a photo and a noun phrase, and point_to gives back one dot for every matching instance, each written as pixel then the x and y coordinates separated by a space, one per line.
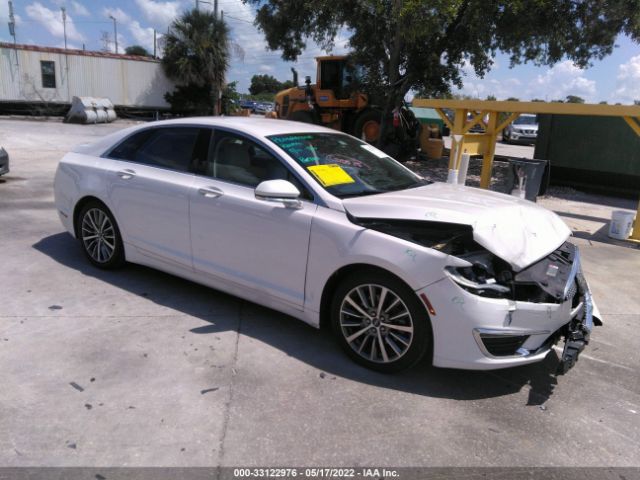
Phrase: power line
pixel 238 19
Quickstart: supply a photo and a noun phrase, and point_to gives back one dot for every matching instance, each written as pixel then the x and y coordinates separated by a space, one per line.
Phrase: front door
pixel 252 243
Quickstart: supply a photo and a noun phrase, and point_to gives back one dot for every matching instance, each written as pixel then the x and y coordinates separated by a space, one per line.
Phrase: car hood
pixel 518 231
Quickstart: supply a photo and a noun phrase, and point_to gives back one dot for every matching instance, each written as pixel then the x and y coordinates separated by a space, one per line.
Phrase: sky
pixel 39 22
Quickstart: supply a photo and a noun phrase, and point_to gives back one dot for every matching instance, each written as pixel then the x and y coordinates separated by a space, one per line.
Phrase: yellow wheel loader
pixel 336 101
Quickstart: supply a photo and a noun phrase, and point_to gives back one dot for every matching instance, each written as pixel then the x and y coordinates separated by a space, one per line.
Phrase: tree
pixel 264 83
pixel 137 50
pixel 190 100
pixel 513 99
pixel 413 44
pixel 574 99
pixel 230 98
pixel 261 84
pixel 187 100
pixel 197 52
pixel 491 98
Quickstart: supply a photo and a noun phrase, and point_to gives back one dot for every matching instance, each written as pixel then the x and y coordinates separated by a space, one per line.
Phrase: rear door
pixel 151 174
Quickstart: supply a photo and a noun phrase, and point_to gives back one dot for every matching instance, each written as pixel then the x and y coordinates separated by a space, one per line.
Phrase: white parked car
pixel 523 129
pixel 326 228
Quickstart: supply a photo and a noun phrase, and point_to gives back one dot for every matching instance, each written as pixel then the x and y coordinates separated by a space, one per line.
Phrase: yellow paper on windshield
pixel 330 175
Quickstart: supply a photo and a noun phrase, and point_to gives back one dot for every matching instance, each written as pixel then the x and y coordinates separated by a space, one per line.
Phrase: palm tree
pixel 197 51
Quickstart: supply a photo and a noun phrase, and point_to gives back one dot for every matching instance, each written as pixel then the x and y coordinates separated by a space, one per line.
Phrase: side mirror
pixel 280 191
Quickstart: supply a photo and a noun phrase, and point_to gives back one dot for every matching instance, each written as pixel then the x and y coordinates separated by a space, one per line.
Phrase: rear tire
pixel 100 237
pixel 368 125
pixel 380 322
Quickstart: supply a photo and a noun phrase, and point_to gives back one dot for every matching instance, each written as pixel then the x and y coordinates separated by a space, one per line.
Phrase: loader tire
pixel 367 126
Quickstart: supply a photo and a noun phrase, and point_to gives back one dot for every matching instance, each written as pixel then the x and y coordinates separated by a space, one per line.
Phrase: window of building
pixel 48 70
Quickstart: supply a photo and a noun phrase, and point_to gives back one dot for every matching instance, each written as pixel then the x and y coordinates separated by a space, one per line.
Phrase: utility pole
pixel 66 56
pixel 115 31
pixel 215 8
pixel 12 22
pixel 155 43
pixel 12 30
pixel 197 4
pixel 64 25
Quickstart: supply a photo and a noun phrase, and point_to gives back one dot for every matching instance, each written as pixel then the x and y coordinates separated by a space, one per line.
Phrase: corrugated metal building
pixel 34 74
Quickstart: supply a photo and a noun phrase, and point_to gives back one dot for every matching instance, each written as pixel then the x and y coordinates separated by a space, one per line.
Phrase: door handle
pixel 210 192
pixel 126 174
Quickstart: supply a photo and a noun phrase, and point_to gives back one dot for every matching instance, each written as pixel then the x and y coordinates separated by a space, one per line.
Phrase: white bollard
pixel 464 166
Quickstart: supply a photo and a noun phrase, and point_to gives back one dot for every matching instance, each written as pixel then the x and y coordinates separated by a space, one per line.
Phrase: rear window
pixel 171 148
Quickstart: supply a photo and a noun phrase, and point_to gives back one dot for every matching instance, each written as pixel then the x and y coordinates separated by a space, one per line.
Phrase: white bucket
pixel 452 177
pixel 621 224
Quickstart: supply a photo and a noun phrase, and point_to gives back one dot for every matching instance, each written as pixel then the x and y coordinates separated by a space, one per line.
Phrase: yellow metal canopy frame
pixel 494 116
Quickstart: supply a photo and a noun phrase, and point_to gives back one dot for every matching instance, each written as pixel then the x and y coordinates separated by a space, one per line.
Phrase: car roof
pixel 259 127
pixel 254 126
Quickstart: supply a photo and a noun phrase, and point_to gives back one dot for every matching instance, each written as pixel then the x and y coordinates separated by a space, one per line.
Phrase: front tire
pixel 379 322
pixel 100 237
pixel 368 125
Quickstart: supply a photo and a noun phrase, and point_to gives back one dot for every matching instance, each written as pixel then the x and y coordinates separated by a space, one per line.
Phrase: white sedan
pixel 328 229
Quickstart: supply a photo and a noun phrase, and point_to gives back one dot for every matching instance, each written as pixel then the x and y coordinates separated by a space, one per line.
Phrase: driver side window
pixel 236 159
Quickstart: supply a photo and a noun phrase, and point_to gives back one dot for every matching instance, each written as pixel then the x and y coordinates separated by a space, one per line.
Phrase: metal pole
pixel 64 25
pixel 197 5
pixel 215 8
pixel 12 31
pixel 155 42
pixel 115 31
pixel 66 56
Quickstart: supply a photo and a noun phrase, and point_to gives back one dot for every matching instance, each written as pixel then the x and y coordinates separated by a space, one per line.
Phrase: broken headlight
pixel 482 277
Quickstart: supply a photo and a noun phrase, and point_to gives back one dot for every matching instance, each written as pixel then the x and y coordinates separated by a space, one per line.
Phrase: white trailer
pixel 46 75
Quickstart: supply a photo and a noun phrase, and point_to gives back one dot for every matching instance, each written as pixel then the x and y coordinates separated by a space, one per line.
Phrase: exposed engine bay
pixel 545 281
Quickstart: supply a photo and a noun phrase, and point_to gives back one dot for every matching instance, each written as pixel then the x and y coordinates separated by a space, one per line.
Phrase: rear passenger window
pixel 171 148
pixel 127 149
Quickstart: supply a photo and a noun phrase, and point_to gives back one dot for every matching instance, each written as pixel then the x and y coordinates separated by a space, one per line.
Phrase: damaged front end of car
pixel 555 280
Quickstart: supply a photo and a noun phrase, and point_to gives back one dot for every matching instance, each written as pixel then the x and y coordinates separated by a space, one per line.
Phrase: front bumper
pixel 479 333
pixel 523 136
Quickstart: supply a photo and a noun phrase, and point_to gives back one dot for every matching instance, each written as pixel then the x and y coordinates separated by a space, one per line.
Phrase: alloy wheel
pixel 98 235
pixel 376 323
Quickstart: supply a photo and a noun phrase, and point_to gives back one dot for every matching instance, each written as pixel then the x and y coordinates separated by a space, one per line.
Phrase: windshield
pixel 345 166
pixel 526 120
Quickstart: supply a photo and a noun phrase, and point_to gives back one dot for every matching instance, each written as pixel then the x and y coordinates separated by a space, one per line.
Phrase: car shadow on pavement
pixel 296 339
